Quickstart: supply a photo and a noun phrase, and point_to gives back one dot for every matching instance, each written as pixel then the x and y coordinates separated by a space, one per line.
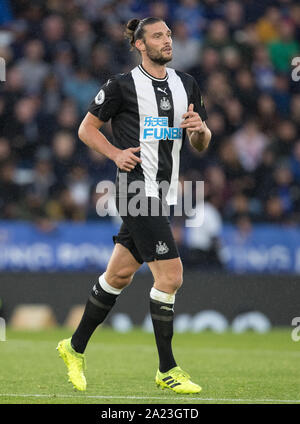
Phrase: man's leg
pixel 167 280
pixel 118 275
pixel 167 276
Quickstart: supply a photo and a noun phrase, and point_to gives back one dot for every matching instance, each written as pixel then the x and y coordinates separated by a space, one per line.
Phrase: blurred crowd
pixel 58 54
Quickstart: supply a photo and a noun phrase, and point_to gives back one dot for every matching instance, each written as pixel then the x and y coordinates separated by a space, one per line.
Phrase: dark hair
pixel 135 29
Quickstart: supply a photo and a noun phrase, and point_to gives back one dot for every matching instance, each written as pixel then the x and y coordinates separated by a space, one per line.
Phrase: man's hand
pixel 198 132
pixel 126 160
pixel 192 121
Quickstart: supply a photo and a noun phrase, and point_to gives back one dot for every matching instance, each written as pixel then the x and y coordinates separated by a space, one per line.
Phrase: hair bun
pixel 133 24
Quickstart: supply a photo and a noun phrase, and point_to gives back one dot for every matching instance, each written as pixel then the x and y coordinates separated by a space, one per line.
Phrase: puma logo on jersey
pixel 163 90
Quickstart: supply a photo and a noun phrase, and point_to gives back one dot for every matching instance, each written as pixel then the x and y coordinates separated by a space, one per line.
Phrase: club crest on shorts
pixel 165 104
pixel 161 248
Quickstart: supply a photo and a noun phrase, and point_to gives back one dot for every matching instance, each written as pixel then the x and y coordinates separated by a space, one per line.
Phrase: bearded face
pixel 156 43
pixel 161 56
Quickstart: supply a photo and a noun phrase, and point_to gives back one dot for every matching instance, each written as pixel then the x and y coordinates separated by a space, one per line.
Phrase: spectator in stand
pixel 230 162
pixel 191 11
pixel 284 138
pixel 64 154
pixel 262 69
pixel 203 240
pixel 218 124
pixel 267 114
pixel 284 189
pixel 186 50
pixel 78 183
pixel 264 175
pixel 102 206
pixel 101 63
pixel 267 25
pixel 295 16
pixel 218 36
pixel 67 117
pixel 281 95
pixel 12 92
pixel 207 62
pixel 33 68
pixel 10 192
pixel 100 168
pixel 218 88
pixel 250 143
pixel 43 179
pixel 115 42
pixel 82 88
pixel 54 35
pixel 283 49
pixel 83 39
pixel 20 33
pixel 5 150
pixel 160 9
pixel 238 205
pixel 231 60
pixel 244 229
pixel 23 132
pixel 5 12
pixel 295 110
pixel 234 14
pixel 51 95
pixel 63 63
pixel 61 206
pixel 217 186
pixel 246 91
pixel 274 213
pixel 295 162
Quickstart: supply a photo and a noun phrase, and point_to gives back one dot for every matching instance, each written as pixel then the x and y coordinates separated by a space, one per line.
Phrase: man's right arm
pixel 89 133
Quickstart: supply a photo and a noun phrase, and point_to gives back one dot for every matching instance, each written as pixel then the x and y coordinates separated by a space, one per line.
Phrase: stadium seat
pixel 32 317
pixel 74 317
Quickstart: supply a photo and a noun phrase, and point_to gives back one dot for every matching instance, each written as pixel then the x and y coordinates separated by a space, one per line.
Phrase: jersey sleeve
pixel 107 102
pixel 197 100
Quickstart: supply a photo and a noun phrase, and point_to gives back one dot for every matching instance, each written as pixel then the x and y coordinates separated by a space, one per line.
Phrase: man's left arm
pixel 198 132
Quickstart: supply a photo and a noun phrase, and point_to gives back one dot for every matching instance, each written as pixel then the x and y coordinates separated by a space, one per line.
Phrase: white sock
pixel 107 287
pixel 162 296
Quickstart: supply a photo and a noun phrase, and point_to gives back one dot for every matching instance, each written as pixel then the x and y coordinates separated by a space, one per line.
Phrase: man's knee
pixel 170 280
pixel 119 279
pixel 174 281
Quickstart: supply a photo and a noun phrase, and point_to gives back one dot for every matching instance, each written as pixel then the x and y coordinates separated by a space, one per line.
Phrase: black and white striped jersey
pixel 147 112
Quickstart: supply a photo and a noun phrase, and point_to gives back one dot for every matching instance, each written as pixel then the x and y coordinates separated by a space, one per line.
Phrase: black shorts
pixel 148 237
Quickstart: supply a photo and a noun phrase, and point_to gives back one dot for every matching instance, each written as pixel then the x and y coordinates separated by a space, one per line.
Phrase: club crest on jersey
pixel 165 104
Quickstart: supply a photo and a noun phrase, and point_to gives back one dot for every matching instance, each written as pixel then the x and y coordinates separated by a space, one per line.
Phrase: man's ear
pixel 140 45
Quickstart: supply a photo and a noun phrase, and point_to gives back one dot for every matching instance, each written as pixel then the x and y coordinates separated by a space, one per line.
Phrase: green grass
pixel 231 368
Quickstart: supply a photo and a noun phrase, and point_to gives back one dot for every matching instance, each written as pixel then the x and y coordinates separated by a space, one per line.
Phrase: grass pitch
pixel 230 368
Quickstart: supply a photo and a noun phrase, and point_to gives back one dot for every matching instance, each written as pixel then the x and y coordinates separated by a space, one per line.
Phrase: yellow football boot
pixel 177 380
pixel 75 363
